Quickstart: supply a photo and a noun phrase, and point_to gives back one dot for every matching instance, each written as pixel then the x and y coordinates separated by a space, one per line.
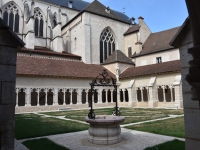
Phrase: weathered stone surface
pixel 8 55
pixel 8 93
pixel 192 144
pixel 188 103
pixel 7 140
pixel 185 86
pixel 7 117
pixel 7 73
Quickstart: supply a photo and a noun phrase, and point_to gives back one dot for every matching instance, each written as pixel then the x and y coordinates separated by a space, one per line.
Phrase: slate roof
pixel 37 66
pixel 118 56
pixel 132 29
pixel 166 67
pixel 46 51
pixel 159 41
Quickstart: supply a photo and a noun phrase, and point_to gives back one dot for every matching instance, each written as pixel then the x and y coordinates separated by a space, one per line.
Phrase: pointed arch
pixel 107 43
pixel 54 19
pixel 12 15
pixel 39 22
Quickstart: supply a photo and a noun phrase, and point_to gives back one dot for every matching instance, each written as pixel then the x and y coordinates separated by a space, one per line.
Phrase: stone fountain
pixel 104 129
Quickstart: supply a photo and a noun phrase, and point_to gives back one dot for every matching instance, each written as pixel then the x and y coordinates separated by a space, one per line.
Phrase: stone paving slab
pixel 19 146
pixel 131 140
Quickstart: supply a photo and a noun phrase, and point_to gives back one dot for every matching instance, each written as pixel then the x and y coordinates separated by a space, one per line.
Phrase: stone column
pixel 171 91
pixel 46 94
pixel 71 92
pixel 17 91
pixel 55 96
pixel 124 98
pixel 136 96
pixel 111 95
pixel 142 96
pixel 164 97
pixel 106 91
pixel 38 97
pixel 64 90
pixel 27 97
pixel 153 102
pixel 100 96
pixel 178 96
pixel 86 91
pixel 79 95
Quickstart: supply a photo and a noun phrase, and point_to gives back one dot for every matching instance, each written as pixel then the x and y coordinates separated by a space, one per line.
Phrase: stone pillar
pixel 38 97
pixel 136 96
pixel 55 96
pixel 171 91
pixel 153 102
pixel 46 94
pixel 64 90
pixel 17 91
pixel 106 91
pixel 111 95
pixel 9 45
pixel 86 91
pixel 178 96
pixel 71 92
pixel 100 96
pixel 164 97
pixel 124 98
pixel 142 96
pixel 27 97
pixel 79 95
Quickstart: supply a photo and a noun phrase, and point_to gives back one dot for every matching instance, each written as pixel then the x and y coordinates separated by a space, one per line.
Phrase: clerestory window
pixel 107 44
pixel 11 17
pixel 39 22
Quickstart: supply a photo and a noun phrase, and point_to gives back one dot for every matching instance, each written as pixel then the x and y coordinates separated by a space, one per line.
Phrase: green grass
pixel 170 127
pixel 42 144
pixel 171 145
pixel 132 114
pixel 31 125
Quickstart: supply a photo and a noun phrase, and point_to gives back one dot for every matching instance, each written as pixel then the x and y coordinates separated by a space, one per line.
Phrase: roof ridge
pixel 166 30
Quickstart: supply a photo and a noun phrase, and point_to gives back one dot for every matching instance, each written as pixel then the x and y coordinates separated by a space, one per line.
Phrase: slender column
pixel 136 97
pixel 79 95
pixel 111 95
pixel 55 96
pixel 157 93
pixel 164 98
pixel 64 90
pixel 38 97
pixel 28 97
pixel 17 91
pixel 100 96
pixel 106 91
pixel 46 94
pixel 124 98
pixel 71 91
pixel 142 96
pixel 148 96
pixel 86 91
pixel 171 91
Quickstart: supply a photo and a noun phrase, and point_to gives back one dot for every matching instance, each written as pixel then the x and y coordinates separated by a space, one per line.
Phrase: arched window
pixel 11 17
pixel 107 44
pixel 54 20
pixel 39 22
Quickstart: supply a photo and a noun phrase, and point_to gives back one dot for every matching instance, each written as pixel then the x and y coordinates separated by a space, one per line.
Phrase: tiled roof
pixel 36 66
pixel 132 29
pixel 166 67
pixel 118 56
pixel 159 41
pixel 46 51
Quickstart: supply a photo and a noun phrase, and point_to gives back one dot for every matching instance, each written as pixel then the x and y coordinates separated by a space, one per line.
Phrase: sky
pixel 158 14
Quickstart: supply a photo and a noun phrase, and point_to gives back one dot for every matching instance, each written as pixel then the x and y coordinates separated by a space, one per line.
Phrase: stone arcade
pixel 67 43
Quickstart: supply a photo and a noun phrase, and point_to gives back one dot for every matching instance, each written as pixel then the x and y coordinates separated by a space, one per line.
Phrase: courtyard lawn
pixel 43 144
pixel 132 114
pixel 171 127
pixel 171 145
pixel 32 125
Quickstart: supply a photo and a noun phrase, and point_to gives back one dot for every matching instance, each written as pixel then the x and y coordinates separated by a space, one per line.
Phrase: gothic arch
pixel 39 22
pixel 12 15
pixel 107 42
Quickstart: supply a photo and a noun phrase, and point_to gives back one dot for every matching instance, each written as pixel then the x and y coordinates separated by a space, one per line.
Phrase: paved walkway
pixel 131 140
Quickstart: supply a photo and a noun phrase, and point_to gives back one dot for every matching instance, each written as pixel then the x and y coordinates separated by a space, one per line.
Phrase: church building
pixel 69 42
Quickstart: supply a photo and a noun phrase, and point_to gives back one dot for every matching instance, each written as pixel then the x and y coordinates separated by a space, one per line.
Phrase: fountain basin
pixel 105 129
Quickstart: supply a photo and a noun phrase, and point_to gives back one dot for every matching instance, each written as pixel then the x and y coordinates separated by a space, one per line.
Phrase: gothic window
pixel 54 20
pixel 39 22
pixel 11 17
pixel 107 44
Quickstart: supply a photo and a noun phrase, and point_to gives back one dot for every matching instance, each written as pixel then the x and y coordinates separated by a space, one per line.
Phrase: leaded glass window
pixel 39 22
pixel 107 44
pixel 11 16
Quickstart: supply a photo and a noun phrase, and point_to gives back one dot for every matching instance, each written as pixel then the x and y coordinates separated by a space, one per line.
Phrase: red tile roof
pixel 46 51
pixel 36 66
pixel 158 41
pixel 166 67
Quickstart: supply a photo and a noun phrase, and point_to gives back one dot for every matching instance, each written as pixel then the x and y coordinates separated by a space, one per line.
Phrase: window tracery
pixel 11 17
pixel 107 44
pixel 39 22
